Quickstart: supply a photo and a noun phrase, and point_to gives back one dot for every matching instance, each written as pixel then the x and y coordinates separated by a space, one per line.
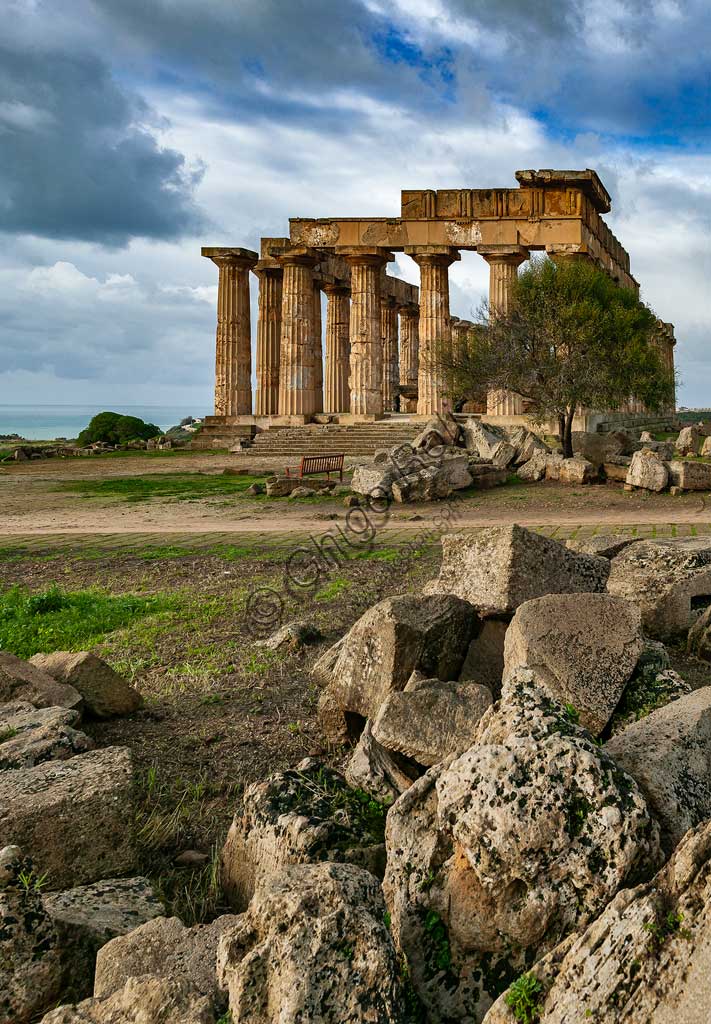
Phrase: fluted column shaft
pixel 391 361
pixel 337 397
pixel 233 339
pixel 318 351
pixel 266 399
pixel 409 344
pixel 297 371
pixel 435 331
pixel 503 271
pixel 366 362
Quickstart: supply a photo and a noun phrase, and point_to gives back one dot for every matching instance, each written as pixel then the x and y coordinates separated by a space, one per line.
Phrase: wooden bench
pixel 311 465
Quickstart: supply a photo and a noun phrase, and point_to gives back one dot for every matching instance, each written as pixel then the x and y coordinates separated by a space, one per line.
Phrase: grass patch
pixel 175 486
pixel 58 620
pixel 332 590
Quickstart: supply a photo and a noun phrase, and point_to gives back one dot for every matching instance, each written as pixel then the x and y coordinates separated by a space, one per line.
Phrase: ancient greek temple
pixel 382 335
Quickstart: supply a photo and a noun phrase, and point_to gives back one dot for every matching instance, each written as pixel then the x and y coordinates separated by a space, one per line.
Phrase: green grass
pixel 58 620
pixel 178 486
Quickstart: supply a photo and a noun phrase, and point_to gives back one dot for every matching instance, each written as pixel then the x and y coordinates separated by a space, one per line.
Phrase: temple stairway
pixel 351 439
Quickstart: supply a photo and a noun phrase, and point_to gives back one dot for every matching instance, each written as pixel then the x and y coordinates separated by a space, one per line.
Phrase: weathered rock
pixel 668 753
pixel 292 636
pixel 500 568
pixel 495 856
pixel 502 454
pixel 431 720
pixel 105 692
pixel 646 436
pixel 576 471
pixel 706 447
pixel 617 469
pixel 653 684
pixel 88 917
pixel 604 546
pixel 29 735
pixel 645 960
pixel 688 442
pixel 647 471
pixel 699 639
pixel 482 438
pixel 373 480
pixel 486 476
pixel 282 486
pixel 76 816
pixel 164 948
pixel 455 469
pixel 383 774
pixel 300 816
pixel 430 484
pixel 392 639
pixel 313 949
pixel 690 476
pixel 303 492
pixel 535 469
pixel 596 448
pixel 526 444
pixel 554 462
pixel 662 579
pixel 582 648
pixel 142 1000
pixel 484 662
pixel 20 680
pixel 30 970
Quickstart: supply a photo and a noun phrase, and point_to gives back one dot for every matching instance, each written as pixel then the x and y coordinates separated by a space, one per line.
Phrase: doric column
pixel 409 344
pixel 337 397
pixel 266 399
pixel 391 362
pixel 318 351
pixel 435 331
pixel 366 362
pixel 504 262
pixel 297 370
pixel 233 341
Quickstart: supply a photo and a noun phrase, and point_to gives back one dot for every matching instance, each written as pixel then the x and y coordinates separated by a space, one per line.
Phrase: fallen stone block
pixel 142 1000
pixel 23 681
pixel 383 774
pixel 689 441
pixel 502 455
pixel 526 444
pixel 597 448
pixel 554 462
pixel 582 649
pixel 76 816
pixel 690 476
pixel 431 484
pixel 29 735
pixel 603 546
pixel 482 438
pixel 104 691
pixel 485 476
pixel 647 471
pixel 372 480
pixel 281 487
pixel 314 946
pixel 576 471
pixel 484 662
pixel 535 469
pixel 500 568
pixel 617 470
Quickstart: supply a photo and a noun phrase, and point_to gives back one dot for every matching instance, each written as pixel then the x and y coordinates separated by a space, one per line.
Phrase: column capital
pixel 565 251
pixel 388 301
pixel 268 267
pixel 230 256
pixel 365 255
pixel 297 255
pixel 513 255
pixel 336 288
pixel 433 255
pixel 408 308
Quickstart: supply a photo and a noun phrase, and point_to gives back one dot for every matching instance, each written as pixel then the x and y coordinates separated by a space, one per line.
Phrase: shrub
pixel 113 428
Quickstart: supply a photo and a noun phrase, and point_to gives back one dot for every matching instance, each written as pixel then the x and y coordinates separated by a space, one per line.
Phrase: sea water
pixel 46 422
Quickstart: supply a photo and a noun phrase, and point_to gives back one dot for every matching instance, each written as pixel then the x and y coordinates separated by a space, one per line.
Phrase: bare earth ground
pixel 220 710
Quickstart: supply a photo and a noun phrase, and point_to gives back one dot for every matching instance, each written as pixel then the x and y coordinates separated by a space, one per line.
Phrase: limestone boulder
pixel 20 680
pixel 653 685
pixel 282 486
pixel 554 462
pixel 142 1000
pixel 690 476
pixel 647 958
pixel 526 444
pixel 596 448
pixel 699 639
pixel 164 948
pixel 500 568
pixel 313 948
pixel 89 916
pixel 706 447
pixel 300 816
pixel 617 468
pixel 535 469
pixel 30 967
pixel 602 545
pixel 495 856
pixel 646 436
pixel 577 471
pixel 443 429
pixel 431 720
pixel 689 441
pixel 663 579
pixel 391 640
pixel 104 691
pixel 582 648
pixel 486 476
pixel 455 469
pixel 303 492
pixel 76 816
pixel 29 735
pixel 484 662
pixel 430 484
pixel 647 471
pixel 482 438
pixel 383 774
pixel 668 753
pixel 372 480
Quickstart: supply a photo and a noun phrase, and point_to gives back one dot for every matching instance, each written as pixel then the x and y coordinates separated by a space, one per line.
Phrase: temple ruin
pixel 382 335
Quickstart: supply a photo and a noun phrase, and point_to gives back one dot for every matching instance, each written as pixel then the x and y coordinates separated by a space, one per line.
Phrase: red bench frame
pixel 310 465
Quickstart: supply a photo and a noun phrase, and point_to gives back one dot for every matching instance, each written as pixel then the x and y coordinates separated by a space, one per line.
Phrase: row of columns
pixel 364 363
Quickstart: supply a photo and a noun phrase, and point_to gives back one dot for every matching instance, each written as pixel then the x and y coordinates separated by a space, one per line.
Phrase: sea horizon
pixel 35 422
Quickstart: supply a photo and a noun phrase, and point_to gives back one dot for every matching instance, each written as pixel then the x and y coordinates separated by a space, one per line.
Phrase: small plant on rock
pixel 30 882
pixel 524 998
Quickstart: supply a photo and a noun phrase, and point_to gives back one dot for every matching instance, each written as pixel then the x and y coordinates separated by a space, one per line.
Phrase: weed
pixel 354 808
pixel 226 1018
pixel 30 882
pixel 439 953
pixel 573 714
pixel 660 931
pixel 7 734
pixel 524 998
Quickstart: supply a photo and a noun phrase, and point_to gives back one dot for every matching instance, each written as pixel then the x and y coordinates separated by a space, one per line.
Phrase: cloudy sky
pixel 133 131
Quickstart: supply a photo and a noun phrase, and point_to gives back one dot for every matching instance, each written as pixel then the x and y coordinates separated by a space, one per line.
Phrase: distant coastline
pixel 47 422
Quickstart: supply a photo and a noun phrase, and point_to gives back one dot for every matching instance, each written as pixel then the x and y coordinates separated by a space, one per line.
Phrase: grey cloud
pixel 79 158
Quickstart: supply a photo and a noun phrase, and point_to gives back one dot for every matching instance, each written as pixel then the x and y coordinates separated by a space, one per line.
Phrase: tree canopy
pixel 113 428
pixel 571 338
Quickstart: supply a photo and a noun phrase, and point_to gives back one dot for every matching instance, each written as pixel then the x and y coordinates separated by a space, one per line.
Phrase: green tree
pixel 113 428
pixel 571 338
